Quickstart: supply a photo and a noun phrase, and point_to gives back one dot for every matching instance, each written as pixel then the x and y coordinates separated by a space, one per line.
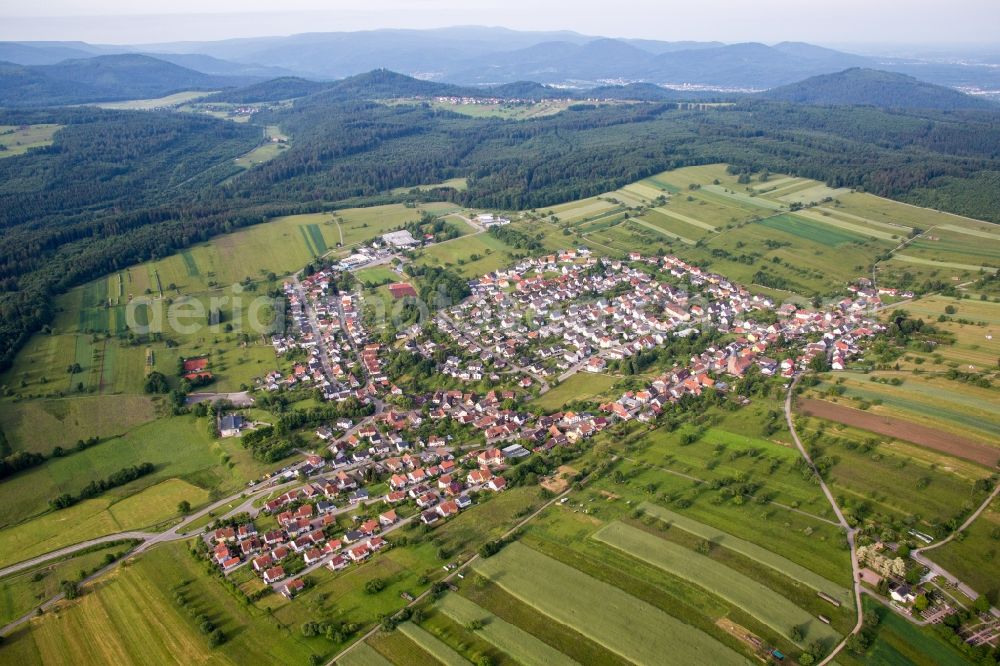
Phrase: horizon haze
pixel 969 24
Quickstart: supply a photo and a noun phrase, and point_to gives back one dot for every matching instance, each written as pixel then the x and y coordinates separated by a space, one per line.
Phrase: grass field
pixel 169 101
pixel 433 645
pixel 600 611
pixel 364 655
pixel 41 425
pixel 456 254
pixel 975 556
pixel 132 617
pixel 769 607
pixel 21 592
pixel 753 551
pixel 899 643
pixel 97 517
pixel 510 639
pixel 179 447
pixel 581 386
pixel 19 139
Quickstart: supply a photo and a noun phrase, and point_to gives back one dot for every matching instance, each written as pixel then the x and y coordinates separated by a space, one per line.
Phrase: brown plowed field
pixel 938 440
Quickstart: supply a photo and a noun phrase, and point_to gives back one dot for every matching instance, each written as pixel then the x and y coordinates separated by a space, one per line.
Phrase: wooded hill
pixel 118 188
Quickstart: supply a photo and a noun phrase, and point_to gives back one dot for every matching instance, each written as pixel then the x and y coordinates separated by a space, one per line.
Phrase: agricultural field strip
pixel 782 183
pixel 364 655
pixel 434 645
pixel 578 210
pixel 940 264
pixel 684 218
pixel 970 232
pixel 753 551
pixel 742 591
pixel 847 226
pixel 668 234
pixel 643 190
pixel 888 226
pixel 511 639
pixel 602 612
pixel 808 194
pixel 922 397
pixel 744 198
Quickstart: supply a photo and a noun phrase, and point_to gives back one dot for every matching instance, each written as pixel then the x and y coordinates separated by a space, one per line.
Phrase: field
pixel 18 139
pixel 432 645
pixel 506 637
pixel 895 427
pixel 753 551
pixel 147 509
pixel 581 386
pixel 961 411
pixel 132 616
pixel 167 102
pixel 490 254
pixel 21 592
pixel 506 111
pixel 768 606
pixel 41 425
pixel 275 142
pixel 602 612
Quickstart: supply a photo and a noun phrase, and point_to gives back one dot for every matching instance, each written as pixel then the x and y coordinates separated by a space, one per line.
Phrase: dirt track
pixel 938 440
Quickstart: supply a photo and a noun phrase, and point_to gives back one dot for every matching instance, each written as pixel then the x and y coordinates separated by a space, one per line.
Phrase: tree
pixel 858 643
pixel 981 604
pixel 184 507
pixel 70 589
pixel 216 638
pixel 921 603
pixel 374 586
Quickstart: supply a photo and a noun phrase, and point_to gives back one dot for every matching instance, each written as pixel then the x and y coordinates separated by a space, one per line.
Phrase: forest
pixel 120 187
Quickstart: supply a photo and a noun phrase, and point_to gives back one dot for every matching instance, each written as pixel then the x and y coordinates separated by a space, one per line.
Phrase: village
pixel 532 325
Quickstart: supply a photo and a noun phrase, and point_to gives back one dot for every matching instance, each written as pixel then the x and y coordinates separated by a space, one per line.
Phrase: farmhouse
pixel 231 425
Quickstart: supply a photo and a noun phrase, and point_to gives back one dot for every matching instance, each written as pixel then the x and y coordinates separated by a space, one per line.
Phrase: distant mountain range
pixel 102 78
pixel 476 62
pixel 492 56
pixel 869 87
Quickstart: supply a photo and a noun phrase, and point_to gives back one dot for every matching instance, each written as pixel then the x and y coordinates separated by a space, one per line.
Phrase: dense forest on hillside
pixel 121 187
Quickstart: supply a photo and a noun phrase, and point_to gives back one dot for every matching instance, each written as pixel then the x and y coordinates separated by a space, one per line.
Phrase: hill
pixel 288 87
pixel 100 79
pixel 870 87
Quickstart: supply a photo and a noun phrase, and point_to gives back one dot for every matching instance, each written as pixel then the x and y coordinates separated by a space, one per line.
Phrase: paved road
pixel 241 399
pixel 855 567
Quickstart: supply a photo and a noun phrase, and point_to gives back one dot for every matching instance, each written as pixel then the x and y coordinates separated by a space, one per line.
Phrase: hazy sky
pixel 826 22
